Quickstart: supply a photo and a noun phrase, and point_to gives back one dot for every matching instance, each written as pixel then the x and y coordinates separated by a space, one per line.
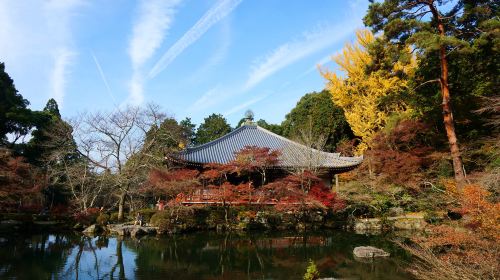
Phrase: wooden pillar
pixel 336 183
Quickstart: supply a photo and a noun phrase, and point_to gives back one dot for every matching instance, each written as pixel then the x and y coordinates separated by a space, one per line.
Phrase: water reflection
pixel 194 256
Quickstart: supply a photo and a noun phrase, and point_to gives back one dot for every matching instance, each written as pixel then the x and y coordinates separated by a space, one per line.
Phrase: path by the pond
pixel 196 256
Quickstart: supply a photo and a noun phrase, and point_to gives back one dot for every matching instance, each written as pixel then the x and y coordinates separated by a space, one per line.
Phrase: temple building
pixel 294 156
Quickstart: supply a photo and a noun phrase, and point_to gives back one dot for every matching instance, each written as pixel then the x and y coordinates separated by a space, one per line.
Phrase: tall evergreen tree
pixel 189 131
pixel 275 128
pixel 53 149
pixel 316 112
pixel 213 127
pixel 430 27
pixel 52 108
pixel 15 117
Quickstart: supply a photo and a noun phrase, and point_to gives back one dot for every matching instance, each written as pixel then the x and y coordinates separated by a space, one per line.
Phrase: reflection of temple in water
pixel 277 242
pixel 194 256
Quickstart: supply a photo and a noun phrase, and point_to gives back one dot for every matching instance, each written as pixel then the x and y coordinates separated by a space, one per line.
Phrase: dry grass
pixel 429 266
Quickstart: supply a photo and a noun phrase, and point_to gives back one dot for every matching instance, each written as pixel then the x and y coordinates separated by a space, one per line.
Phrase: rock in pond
pixel 92 230
pixel 369 252
pixel 140 231
pixel 132 230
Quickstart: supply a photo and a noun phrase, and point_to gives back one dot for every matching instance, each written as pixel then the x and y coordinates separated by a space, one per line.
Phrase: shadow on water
pixel 196 256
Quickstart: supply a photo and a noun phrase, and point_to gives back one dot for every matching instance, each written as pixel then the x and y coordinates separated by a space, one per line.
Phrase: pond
pixel 196 256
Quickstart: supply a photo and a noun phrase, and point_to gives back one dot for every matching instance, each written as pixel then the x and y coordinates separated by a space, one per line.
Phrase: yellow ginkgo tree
pixel 361 92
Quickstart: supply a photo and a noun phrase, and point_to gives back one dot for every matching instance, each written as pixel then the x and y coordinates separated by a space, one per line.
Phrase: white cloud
pixel 217 12
pixel 150 28
pixel 136 96
pixel 280 58
pixel 37 35
pixel 154 19
pixel 62 60
pixel 295 50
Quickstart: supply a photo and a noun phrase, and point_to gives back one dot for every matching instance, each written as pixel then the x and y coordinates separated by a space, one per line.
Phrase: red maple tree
pixel 214 184
pixel 252 159
pixel 20 182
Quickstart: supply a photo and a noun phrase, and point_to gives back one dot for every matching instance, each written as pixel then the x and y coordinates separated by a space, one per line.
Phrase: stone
pixel 93 229
pixel 120 230
pixel 410 223
pixel 78 226
pixel 11 222
pixel 369 252
pixel 140 231
pixel 396 211
pixel 134 231
pixel 367 225
pixel 137 232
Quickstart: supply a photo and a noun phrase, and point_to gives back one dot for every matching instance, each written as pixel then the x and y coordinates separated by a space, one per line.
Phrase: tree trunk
pixel 121 204
pixel 119 255
pixel 449 124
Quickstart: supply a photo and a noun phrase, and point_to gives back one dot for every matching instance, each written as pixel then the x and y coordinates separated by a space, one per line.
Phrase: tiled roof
pixel 223 149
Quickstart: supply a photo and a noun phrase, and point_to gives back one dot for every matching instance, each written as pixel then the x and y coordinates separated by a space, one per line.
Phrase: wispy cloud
pixel 281 57
pixel 208 99
pixel 217 12
pixel 244 105
pixel 62 60
pixel 103 77
pixel 288 53
pixel 136 95
pixel 223 44
pixel 154 19
pixel 320 63
pixel 43 38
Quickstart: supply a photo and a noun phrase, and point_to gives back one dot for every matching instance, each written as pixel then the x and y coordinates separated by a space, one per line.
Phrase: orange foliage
pixel 474 246
pixel 172 182
pixel 482 215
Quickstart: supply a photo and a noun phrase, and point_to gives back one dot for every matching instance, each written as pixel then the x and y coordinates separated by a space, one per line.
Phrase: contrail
pixel 217 12
pixel 98 65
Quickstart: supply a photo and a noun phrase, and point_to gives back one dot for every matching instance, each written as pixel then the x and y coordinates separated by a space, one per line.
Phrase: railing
pixel 216 196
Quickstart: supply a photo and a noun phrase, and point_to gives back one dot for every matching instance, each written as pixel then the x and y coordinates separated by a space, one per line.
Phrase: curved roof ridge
pixel 293 142
pixel 223 149
pixel 213 142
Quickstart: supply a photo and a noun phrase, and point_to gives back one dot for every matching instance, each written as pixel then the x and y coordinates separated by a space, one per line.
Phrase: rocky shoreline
pixel 205 221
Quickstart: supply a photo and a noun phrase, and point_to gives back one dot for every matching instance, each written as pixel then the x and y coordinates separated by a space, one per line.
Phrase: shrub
pixel 246 216
pixel 59 210
pixel 312 272
pixel 113 217
pixel 432 217
pixel 178 218
pixel 399 155
pixel 31 208
pixel 102 219
pixel 159 216
pixel 87 217
pixel 146 214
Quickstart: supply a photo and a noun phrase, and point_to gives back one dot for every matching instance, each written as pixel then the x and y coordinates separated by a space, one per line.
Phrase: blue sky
pixel 192 57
